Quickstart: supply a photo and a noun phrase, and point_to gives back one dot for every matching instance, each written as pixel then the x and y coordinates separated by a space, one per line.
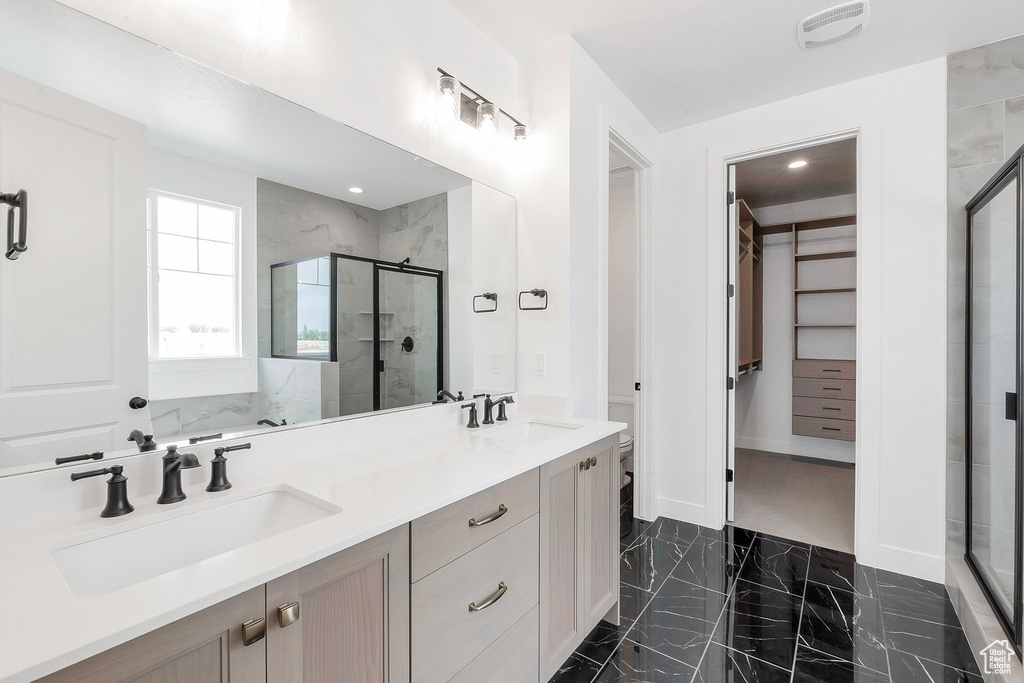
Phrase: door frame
pixel 643 220
pixel 719 426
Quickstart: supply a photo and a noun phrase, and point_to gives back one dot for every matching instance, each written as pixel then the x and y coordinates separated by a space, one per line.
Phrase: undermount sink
pixel 104 561
pixel 527 432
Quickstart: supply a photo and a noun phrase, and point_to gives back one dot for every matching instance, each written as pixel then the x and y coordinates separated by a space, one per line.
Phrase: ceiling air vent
pixel 833 24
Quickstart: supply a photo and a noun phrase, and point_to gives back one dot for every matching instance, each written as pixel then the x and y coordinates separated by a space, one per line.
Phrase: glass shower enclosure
pixel 993 414
pixel 381 322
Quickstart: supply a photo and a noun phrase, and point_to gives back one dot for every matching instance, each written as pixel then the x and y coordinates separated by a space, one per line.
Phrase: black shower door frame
pixel 378 362
pixel 1011 623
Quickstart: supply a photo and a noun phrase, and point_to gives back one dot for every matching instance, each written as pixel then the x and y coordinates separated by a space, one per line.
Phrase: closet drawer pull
pixel 253 631
pixel 831 389
pixel 490 518
pixel 830 408
pixel 832 429
pixel 473 607
pixel 830 370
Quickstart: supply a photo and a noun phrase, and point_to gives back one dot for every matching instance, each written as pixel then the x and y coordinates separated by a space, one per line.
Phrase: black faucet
pixel 472 424
pixel 144 441
pixel 208 437
pixel 117 490
pixel 502 417
pixel 444 395
pixel 174 463
pixel 219 474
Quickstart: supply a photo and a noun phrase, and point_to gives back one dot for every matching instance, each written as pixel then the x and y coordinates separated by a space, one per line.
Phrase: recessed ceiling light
pixel 799 163
pixel 355 190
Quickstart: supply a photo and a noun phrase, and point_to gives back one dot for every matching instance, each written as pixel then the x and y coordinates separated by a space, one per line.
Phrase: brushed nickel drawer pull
pixel 288 614
pixel 473 607
pixel 832 429
pixel 593 462
pixel 253 631
pixel 490 518
pixel 586 464
pixel 582 464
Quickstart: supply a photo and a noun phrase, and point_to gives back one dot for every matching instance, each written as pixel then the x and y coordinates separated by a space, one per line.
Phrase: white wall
pixel 169 379
pixel 621 293
pixel 902 251
pixel 764 399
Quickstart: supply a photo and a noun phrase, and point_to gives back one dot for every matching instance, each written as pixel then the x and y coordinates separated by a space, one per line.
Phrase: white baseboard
pixel 788 448
pixel 902 561
pixel 684 512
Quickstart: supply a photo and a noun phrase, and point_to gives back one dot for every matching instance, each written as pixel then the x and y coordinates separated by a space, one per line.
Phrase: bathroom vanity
pixel 454 554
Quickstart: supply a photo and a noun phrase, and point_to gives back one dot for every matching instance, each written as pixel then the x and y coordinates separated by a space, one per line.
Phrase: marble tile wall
pixel 985 126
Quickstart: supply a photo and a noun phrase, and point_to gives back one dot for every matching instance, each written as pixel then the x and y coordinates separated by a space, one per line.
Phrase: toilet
pixel 625 453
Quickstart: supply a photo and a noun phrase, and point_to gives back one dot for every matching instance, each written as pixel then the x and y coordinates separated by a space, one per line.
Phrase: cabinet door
pixel 205 648
pixel 561 561
pixel 600 532
pixel 64 391
pixel 352 616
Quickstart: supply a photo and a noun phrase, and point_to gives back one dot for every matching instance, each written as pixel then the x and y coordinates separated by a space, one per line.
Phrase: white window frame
pixel 158 364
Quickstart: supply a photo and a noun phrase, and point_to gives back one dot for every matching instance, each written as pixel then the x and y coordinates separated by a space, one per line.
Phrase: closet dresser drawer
pixel 844 389
pixel 512 658
pixel 844 430
pixel 824 407
pixel 452 531
pixel 500 579
pixel 825 369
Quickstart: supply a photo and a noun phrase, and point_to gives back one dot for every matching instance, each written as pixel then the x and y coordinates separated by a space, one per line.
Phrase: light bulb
pixel 487 120
pixel 519 132
pixel 449 99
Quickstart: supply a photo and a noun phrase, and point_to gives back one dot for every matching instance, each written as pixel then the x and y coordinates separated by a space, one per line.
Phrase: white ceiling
pixel 196 111
pixel 831 171
pixel 685 61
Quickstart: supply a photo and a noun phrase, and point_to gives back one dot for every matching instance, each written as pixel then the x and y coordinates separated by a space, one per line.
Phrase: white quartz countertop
pixel 378 487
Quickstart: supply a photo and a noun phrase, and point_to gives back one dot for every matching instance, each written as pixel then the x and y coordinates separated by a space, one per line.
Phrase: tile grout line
pixel 725 604
pixel 800 621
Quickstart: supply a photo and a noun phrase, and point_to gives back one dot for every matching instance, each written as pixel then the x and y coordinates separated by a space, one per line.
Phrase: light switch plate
pixel 496 362
pixel 540 364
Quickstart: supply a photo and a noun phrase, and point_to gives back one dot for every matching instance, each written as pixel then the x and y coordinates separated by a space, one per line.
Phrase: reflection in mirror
pixel 254 282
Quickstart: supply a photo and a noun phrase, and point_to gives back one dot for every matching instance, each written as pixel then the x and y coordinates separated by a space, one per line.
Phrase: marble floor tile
pixel 679 621
pixel 603 640
pixel 638 528
pixel 680 533
pixel 916 598
pixel 647 562
pixel 778 565
pixel 761 622
pixel 908 668
pixel 816 667
pixel 940 643
pixel 705 563
pixel 634 663
pixel 632 601
pixel 843 625
pixel 721 664
pixel 576 669
pixel 840 570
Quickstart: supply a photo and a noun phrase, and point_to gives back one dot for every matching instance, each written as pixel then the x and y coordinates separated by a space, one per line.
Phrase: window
pixel 193 291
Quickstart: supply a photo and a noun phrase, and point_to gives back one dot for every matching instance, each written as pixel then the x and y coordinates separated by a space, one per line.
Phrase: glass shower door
pixel 409 353
pixel 993 385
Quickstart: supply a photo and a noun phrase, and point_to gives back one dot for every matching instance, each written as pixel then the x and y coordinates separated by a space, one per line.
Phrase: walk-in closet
pixel 793 309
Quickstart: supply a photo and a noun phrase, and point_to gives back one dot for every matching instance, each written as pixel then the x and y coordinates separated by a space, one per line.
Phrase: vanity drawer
pixel 512 658
pixel 844 430
pixel 446 534
pixel 446 634
pixel 825 369
pixel 844 389
pixel 830 408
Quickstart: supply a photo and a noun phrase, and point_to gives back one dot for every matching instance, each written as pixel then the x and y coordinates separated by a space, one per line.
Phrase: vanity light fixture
pixel 458 101
pixel 799 163
pixel 355 190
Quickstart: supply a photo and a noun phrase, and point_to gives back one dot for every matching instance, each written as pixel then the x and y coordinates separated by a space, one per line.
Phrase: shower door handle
pixel 1011 405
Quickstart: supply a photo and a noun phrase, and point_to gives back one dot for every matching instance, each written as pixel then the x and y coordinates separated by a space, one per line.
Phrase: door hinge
pixel 636 387
pixel 728 476
pixel 731 291
pixel 380 366
pixel 730 197
pixel 729 383
pixel 1011 405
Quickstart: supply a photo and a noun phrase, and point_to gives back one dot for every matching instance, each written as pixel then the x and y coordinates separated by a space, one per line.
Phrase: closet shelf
pixel 849 253
pixel 826 290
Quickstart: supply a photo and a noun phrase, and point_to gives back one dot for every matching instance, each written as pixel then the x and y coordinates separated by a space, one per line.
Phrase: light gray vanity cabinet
pixel 474 603
pixel 206 646
pixel 344 618
pixel 579 568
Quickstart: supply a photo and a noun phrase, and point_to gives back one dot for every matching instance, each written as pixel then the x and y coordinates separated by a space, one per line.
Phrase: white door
pixel 73 306
pixel 732 365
